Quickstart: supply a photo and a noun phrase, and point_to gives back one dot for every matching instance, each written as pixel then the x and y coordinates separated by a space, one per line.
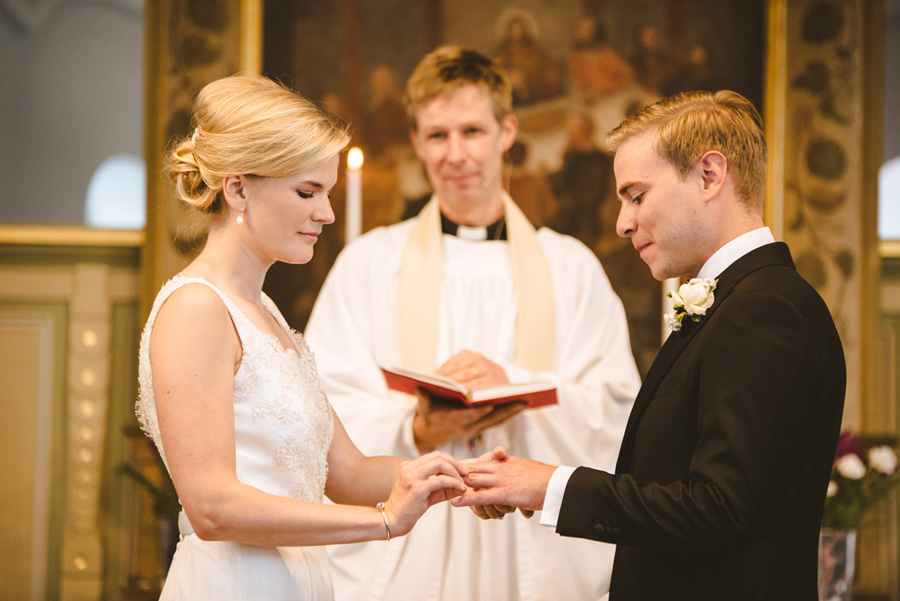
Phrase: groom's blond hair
pixel 687 125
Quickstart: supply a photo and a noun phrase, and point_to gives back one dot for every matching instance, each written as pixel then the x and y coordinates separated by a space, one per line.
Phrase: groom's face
pixel 661 212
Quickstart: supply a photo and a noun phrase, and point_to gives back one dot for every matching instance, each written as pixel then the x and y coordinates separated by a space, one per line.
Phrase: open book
pixel 537 394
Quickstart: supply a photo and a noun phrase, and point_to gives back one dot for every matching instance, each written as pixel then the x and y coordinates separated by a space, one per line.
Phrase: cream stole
pixel 419 288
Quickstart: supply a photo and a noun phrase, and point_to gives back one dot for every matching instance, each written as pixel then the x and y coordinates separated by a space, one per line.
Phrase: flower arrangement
pixel 862 475
pixel 692 299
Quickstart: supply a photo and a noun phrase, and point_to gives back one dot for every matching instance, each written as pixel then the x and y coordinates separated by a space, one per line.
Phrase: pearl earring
pixel 240 218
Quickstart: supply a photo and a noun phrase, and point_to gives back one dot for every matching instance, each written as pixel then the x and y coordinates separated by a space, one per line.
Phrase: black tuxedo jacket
pixel 721 478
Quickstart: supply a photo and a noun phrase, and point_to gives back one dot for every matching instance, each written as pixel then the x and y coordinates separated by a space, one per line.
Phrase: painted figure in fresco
pixel 595 67
pixel 651 60
pixel 534 74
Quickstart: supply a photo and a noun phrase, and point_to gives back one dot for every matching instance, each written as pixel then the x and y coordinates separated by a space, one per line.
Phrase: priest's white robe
pixel 451 555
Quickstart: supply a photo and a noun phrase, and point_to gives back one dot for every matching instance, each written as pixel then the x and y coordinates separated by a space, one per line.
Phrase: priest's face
pixel 461 143
pixel 661 212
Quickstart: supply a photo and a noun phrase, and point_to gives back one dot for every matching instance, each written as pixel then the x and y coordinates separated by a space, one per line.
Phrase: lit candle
pixel 354 194
pixel 668 285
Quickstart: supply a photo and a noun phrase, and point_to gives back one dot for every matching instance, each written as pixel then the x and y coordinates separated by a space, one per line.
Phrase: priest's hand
pixel 512 481
pixel 473 370
pixel 438 422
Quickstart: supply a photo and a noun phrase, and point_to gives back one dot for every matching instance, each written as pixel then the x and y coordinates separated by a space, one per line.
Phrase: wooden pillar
pixel 353 77
pixel 188 44
pixel 823 121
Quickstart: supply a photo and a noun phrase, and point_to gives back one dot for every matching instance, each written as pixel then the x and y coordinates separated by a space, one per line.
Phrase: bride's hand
pixel 421 483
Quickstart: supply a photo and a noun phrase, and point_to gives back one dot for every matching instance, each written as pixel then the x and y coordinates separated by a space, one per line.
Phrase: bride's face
pixel 284 216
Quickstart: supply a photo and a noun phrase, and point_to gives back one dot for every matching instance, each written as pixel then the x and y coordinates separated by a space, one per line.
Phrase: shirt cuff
pixel 556 488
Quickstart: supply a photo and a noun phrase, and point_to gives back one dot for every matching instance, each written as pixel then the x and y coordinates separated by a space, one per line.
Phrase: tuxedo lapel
pixel 771 254
pixel 670 350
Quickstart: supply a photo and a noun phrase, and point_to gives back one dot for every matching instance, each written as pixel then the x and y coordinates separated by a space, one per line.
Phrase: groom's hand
pixel 505 481
pixel 492 512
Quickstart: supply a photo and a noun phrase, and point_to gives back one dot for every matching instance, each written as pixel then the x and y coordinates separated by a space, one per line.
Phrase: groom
pixel 721 477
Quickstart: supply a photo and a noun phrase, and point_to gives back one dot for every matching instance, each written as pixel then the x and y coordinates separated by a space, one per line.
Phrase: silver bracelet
pixel 387 526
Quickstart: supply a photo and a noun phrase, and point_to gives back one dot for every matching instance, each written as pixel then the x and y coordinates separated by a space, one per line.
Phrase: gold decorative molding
pixel 775 110
pixel 251 34
pixel 88 379
pixel 69 235
pixel 889 249
pixel 27 340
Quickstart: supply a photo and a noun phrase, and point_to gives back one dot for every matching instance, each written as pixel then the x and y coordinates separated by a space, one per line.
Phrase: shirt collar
pixel 734 250
pixel 494 231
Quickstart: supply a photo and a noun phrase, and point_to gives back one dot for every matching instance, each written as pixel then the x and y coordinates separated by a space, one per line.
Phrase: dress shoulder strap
pixel 181 280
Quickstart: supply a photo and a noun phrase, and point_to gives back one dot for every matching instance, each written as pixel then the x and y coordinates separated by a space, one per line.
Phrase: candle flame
pixel 355 158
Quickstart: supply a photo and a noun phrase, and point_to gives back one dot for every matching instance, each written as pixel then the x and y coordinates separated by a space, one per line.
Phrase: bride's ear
pixel 234 192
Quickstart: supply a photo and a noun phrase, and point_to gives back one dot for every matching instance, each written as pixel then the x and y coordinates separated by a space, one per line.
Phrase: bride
pixel 229 392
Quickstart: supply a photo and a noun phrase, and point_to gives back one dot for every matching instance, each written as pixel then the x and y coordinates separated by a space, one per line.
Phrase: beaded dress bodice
pixel 282 420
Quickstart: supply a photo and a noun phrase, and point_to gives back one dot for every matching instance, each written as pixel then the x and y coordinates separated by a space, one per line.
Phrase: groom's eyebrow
pixel 623 191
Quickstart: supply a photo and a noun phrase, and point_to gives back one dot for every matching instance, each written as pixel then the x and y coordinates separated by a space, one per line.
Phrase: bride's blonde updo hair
pixel 249 125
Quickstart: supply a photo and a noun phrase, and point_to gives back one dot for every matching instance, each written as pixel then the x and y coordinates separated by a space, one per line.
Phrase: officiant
pixel 469 289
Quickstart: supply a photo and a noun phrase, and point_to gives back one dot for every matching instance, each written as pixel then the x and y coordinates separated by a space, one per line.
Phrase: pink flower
pixel 848 444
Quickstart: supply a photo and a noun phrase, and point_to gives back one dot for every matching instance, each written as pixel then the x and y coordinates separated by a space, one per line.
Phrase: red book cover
pixel 537 394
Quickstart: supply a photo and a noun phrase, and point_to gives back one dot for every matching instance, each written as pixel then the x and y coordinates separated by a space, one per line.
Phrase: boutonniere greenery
pixel 692 299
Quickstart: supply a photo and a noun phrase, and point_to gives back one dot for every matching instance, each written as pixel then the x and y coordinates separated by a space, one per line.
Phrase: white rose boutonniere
pixel 692 299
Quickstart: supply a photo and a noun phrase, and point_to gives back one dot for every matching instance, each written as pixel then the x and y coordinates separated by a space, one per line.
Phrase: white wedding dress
pixel 283 430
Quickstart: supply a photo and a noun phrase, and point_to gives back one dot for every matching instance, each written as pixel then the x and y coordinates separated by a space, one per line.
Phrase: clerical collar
pixel 495 231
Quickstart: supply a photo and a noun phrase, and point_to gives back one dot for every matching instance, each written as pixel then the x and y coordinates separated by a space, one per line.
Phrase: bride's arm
pixel 353 478
pixel 193 352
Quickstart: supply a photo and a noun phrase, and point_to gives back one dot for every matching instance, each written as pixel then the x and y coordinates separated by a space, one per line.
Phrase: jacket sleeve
pixel 725 441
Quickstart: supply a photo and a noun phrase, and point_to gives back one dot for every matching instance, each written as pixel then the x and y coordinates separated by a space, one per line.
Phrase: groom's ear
pixel 712 168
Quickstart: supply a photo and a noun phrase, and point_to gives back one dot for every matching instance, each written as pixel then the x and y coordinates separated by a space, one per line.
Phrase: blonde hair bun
pixel 249 125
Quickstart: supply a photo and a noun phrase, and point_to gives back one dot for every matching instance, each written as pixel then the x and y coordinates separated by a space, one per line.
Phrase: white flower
pixel 832 489
pixel 883 459
pixel 693 298
pixel 673 323
pixel 851 467
pixel 696 296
